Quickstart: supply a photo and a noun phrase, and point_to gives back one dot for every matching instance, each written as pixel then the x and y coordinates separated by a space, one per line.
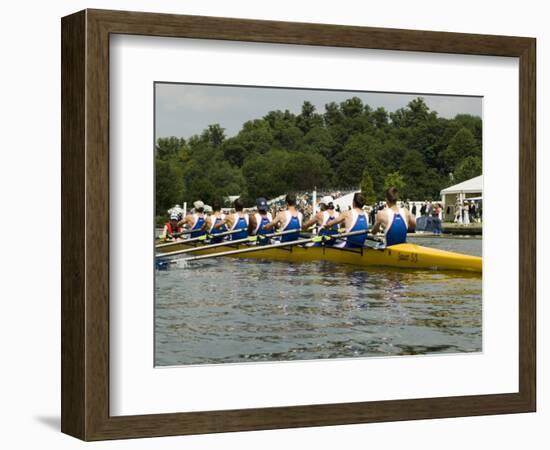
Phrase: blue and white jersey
pixel 214 220
pixel 198 223
pixel 261 222
pixel 328 216
pixel 240 222
pixel 292 222
pixel 396 233
pixel 359 223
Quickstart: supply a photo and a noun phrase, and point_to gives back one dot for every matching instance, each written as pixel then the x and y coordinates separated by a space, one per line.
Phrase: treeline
pixel 350 144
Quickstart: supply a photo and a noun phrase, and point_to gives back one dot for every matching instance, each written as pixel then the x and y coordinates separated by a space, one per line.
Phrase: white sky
pixel 186 109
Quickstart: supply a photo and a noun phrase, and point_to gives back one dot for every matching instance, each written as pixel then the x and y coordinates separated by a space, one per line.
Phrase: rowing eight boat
pixel 401 255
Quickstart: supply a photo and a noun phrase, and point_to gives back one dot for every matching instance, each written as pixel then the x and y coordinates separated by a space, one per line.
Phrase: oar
pixel 254 238
pixel 204 237
pixel 279 245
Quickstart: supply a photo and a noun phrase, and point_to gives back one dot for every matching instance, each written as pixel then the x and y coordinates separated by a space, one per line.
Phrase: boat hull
pixel 408 256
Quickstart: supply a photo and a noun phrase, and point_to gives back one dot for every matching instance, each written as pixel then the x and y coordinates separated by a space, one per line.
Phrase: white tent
pixel 471 186
pixel 471 189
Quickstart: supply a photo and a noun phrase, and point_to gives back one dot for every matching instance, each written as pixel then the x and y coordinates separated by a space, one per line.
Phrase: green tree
pixel 358 153
pixel 414 172
pixel 234 152
pixel 319 140
pixel 168 185
pixel 349 145
pixel 304 171
pixel 264 174
pixel 169 147
pixel 308 118
pixel 394 179
pixel 469 167
pixel 214 135
pixel 462 145
pixel 367 187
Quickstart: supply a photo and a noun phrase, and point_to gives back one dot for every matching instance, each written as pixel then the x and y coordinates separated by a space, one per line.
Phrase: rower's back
pixel 395 231
pixel 239 222
pixel 292 220
pixel 358 222
pixel 216 217
pixel 197 224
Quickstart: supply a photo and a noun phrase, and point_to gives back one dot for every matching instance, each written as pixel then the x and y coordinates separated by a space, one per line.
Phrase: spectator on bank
pixel 458 213
pixel 429 208
pixel 423 209
pixel 473 212
pixel 466 213
pixel 436 219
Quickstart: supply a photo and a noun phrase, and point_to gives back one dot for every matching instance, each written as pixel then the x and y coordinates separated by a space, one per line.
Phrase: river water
pixel 237 310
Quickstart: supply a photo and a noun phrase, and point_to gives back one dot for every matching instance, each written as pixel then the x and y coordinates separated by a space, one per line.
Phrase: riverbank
pixel 454 230
pixel 472 229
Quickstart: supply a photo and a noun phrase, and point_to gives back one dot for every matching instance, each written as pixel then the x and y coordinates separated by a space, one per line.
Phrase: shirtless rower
pixel 236 221
pixel 259 220
pixel 354 219
pixel 325 215
pixel 289 219
pixel 395 221
pixel 195 221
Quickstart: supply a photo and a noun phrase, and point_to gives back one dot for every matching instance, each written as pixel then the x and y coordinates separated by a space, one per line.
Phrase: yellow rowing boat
pixel 409 256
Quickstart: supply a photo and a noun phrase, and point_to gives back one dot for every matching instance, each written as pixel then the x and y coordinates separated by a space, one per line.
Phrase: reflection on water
pixel 238 310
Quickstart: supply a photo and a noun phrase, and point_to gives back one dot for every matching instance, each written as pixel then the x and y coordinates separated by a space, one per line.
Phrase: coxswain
pixel 259 220
pixel 212 220
pixel 289 219
pixel 326 214
pixel 355 219
pixel 196 222
pixel 171 229
pixel 236 221
pixel 395 221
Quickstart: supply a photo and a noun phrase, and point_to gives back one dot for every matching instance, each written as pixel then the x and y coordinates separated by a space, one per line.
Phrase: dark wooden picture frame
pixel 85 224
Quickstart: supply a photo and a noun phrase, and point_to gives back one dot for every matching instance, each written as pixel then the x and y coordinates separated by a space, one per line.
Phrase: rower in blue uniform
pixel 287 220
pixel 259 220
pixel 321 218
pixel 328 216
pixel 196 221
pixel 215 218
pixel 395 221
pixel 355 219
pixel 236 221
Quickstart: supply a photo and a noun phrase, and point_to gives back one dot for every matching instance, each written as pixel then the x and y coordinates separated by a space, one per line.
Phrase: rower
pixel 395 221
pixel 325 215
pixel 355 219
pixel 215 218
pixel 259 220
pixel 236 221
pixel 196 221
pixel 289 219
pixel 171 229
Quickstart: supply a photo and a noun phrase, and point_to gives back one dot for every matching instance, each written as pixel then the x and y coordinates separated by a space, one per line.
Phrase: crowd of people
pixel 468 211
pixel 289 221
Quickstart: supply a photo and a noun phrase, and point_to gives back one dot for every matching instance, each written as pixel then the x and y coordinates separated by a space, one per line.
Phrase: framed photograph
pixel 273 225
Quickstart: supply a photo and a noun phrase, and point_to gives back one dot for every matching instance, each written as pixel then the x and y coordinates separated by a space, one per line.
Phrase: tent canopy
pixel 471 185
